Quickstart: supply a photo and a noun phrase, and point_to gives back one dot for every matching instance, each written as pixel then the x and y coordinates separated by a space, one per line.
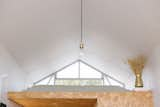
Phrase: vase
pixel 139 81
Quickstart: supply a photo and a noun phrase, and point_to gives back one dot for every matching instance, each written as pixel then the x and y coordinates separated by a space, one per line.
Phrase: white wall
pixel 156 73
pixel 49 39
pixel 11 76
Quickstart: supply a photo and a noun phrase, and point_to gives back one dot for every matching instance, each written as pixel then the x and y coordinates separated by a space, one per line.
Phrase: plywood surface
pixel 82 99
pixel 37 102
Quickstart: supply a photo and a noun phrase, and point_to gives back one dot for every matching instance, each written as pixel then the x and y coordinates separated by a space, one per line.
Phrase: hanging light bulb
pixel 81 45
pixel 81 50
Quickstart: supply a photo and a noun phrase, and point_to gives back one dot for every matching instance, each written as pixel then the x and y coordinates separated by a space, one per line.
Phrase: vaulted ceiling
pixel 38 32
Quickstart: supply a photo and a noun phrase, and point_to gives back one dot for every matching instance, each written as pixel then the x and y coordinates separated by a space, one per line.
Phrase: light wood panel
pixel 83 99
pixel 40 102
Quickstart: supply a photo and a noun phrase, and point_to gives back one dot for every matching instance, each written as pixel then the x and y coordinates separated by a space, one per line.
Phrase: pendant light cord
pixel 81 39
pixel 81 21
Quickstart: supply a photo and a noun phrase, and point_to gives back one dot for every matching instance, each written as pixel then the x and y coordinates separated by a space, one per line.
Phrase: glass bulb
pixel 81 45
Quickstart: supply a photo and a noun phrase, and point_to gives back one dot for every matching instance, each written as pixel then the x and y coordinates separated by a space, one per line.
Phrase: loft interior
pixel 76 53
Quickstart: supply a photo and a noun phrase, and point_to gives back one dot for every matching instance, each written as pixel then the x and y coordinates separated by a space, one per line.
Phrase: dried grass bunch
pixel 137 64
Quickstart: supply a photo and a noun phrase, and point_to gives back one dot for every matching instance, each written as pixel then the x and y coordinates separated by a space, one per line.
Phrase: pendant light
pixel 81 41
pixel 81 38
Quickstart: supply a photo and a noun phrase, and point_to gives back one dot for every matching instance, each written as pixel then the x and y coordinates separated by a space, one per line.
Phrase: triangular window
pixel 79 73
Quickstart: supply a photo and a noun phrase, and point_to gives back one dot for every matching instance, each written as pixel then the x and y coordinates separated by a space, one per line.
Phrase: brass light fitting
pixel 81 45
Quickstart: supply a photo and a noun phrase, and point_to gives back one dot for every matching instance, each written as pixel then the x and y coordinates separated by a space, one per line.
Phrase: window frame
pixel 104 76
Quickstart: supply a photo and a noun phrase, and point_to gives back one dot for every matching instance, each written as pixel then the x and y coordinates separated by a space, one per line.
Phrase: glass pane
pixel 69 72
pixel 91 82
pixel 106 81
pixel 88 72
pixel 67 82
pixel 51 82
pixel 44 82
pixel 113 82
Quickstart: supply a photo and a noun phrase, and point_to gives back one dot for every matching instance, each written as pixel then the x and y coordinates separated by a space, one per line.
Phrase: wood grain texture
pixel 37 102
pixel 82 99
